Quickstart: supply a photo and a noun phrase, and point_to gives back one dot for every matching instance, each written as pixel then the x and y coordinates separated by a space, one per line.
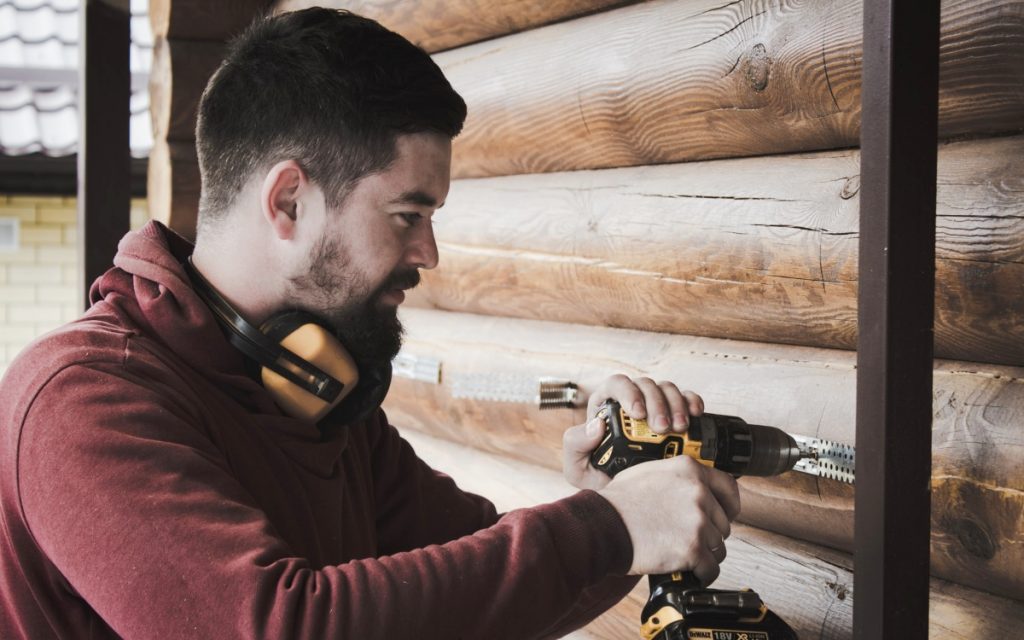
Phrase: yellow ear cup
pixel 316 345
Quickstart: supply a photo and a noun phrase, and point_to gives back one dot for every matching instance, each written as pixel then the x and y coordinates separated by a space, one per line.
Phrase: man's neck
pixel 237 270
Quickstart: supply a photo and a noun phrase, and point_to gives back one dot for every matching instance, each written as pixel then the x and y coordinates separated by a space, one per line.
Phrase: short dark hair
pixel 327 88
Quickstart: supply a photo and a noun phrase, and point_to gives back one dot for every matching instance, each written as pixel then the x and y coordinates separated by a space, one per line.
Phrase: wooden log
pixel 761 249
pixel 201 20
pixel 978 475
pixel 436 25
pixel 181 69
pixel 811 587
pixel 671 81
pixel 173 186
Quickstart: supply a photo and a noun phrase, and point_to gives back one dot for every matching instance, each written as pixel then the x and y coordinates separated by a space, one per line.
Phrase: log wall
pixel 179 74
pixel 677 80
pixel 436 25
pixel 977 500
pixel 760 249
pixel 654 82
pixel 189 38
pixel 173 182
pixel 201 19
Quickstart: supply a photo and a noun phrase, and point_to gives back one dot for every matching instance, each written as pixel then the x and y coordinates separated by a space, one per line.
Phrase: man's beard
pixel 369 329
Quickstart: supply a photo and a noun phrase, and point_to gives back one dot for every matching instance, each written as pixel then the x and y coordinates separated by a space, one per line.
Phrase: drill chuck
pixel 746 449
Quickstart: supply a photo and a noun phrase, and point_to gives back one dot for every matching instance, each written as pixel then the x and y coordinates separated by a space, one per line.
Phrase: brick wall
pixel 39 282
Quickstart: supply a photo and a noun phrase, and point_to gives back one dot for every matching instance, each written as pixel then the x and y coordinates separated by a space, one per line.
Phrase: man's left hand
pixel 662 404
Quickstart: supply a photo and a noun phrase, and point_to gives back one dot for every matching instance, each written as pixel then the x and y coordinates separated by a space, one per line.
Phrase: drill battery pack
pixel 672 613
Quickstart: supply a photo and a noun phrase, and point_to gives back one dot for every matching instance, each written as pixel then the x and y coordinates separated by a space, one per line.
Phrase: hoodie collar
pixel 148 270
pixel 149 285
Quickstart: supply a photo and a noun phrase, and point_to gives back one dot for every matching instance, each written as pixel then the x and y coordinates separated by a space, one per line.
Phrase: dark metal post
pixel 104 157
pixel 899 122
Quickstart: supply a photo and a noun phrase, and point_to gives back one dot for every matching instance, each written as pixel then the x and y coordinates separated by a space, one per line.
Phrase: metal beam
pixel 104 157
pixel 899 121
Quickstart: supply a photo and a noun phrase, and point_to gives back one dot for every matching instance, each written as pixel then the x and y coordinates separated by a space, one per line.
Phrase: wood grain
pixel 436 25
pixel 810 586
pixel 181 69
pixel 977 445
pixel 182 65
pixel 671 81
pixel 202 20
pixel 173 186
pixel 761 249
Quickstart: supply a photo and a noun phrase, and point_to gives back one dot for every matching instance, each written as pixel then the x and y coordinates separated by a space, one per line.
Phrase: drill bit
pixel 825 459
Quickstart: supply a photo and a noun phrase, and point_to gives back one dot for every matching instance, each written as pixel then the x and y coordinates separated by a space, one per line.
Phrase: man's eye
pixel 411 218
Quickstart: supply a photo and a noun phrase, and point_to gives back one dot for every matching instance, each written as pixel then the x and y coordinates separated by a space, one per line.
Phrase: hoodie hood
pixel 149 286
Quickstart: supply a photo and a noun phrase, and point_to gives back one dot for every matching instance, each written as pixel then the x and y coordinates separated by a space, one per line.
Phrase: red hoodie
pixel 149 488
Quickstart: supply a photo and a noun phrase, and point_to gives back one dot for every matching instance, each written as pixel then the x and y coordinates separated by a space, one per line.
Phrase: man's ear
pixel 279 197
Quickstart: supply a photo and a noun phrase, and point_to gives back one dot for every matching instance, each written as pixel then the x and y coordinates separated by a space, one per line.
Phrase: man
pixel 152 487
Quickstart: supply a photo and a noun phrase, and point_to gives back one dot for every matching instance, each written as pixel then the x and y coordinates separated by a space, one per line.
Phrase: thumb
pixel 577 444
pixel 582 439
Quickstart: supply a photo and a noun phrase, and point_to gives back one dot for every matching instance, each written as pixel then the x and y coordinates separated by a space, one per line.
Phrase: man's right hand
pixel 678 515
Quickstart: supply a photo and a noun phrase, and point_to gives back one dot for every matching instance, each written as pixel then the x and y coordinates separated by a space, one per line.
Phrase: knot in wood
pixel 756 67
pixel 974 538
pixel 838 588
pixel 850 187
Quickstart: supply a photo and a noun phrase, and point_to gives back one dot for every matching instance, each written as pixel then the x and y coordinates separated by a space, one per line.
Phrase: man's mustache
pixel 406 279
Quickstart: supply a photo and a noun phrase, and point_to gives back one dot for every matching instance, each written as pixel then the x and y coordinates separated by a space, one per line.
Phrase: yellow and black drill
pixel 678 608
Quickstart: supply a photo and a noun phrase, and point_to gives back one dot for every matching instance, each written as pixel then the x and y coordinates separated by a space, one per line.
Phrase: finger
pixel 715 545
pixel 726 492
pixel 694 403
pixel 657 407
pixel 718 518
pixel 706 569
pixel 622 390
pixel 677 406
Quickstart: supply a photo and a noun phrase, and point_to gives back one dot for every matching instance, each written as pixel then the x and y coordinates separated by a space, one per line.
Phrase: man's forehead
pixel 419 175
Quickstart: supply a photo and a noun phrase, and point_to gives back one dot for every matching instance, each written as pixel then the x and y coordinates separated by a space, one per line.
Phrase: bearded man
pixel 153 484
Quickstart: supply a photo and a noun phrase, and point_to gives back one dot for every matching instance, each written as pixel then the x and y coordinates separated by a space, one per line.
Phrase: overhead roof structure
pixel 39 88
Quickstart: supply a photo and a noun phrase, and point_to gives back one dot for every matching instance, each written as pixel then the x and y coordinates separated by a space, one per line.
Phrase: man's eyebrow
pixel 416 197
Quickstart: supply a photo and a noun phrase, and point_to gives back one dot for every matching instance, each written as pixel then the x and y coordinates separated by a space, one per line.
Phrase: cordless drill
pixel 678 608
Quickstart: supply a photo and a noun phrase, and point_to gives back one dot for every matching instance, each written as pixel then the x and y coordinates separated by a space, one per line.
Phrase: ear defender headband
pixel 304 367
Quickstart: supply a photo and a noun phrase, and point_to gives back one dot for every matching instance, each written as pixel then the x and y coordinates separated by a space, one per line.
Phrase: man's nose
pixel 422 253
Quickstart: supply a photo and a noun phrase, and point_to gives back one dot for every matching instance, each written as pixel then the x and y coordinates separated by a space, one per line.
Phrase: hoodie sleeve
pixel 416 505
pixel 419 506
pixel 141 515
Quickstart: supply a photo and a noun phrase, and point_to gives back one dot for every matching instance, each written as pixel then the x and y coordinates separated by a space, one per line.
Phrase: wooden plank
pixel 436 25
pixel 810 586
pixel 671 81
pixel 174 186
pixel 181 69
pixel 977 439
pixel 761 249
pixel 201 20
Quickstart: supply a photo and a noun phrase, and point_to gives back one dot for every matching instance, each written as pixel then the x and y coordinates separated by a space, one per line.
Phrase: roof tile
pixel 38 109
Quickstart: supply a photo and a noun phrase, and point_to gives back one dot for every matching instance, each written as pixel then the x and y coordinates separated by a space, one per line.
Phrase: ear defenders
pixel 304 367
